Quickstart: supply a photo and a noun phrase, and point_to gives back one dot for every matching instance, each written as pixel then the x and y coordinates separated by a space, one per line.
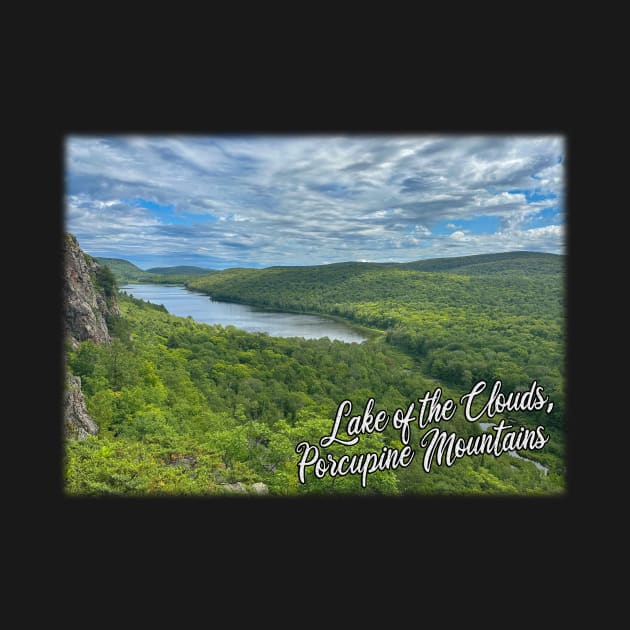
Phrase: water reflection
pixel 179 301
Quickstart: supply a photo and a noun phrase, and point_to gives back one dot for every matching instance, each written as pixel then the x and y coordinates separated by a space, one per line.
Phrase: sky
pixel 259 201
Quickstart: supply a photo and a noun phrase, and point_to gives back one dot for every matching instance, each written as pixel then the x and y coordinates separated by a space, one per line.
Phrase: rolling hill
pixel 125 271
pixel 465 319
pixel 481 264
pixel 184 408
pixel 319 287
pixel 180 270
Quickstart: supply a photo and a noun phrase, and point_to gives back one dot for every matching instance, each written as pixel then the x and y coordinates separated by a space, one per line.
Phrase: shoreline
pixel 370 333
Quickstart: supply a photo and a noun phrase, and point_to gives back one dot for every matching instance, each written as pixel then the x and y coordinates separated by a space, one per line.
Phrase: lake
pixel 182 302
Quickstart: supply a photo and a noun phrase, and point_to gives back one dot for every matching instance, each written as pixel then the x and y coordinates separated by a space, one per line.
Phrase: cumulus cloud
pixel 459 236
pixel 244 200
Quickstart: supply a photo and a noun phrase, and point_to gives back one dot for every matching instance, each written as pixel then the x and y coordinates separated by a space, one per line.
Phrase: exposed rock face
pixel 237 487
pixel 86 309
pixel 240 488
pixel 77 423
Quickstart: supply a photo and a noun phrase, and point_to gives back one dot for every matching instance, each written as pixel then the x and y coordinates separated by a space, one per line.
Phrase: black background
pixel 438 536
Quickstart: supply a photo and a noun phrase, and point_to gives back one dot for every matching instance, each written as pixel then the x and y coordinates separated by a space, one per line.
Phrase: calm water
pixel 179 301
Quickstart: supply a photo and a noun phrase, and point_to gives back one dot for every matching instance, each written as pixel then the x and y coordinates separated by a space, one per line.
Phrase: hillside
pixel 123 270
pixel 181 270
pixel 182 408
pixel 519 282
pixel 519 262
pixel 472 322
pixel 482 264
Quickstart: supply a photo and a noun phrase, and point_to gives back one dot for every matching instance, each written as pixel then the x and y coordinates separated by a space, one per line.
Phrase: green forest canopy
pixel 185 408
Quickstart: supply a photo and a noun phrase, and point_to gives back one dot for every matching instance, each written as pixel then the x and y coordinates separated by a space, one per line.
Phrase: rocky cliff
pixel 88 307
pixel 89 303
pixel 77 422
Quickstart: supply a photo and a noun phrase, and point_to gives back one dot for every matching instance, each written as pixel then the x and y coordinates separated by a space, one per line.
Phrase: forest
pixel 125 271
pixel 187 409
pixel 470 323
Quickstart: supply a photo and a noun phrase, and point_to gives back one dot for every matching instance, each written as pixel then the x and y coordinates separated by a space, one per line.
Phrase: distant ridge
pixel 476 264
pixel 180 270
pixel 490 263
pixel 125 272
pixel 326 288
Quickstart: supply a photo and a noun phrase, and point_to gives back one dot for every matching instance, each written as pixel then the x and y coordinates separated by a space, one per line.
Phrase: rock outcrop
pixel 89 303
pixel 77 422
pixel 86 308
pixel 258 488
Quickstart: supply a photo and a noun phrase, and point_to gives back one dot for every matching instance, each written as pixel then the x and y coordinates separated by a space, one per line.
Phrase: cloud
pixel 305 199
pixel 549 239
pixel 459 236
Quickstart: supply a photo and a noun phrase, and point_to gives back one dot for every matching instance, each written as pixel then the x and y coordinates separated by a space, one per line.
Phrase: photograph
pixel 304 315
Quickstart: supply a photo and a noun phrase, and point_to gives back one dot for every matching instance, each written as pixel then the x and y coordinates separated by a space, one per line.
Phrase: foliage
pixel 105 282
pixel 461 327
pixel 123 271
pixel 185 408
pixel 180 270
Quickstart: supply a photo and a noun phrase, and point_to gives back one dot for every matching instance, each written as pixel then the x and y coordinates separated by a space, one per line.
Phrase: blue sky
pixel 258 201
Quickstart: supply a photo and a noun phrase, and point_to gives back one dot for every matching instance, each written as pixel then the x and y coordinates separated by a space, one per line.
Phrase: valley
pixel 191 408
